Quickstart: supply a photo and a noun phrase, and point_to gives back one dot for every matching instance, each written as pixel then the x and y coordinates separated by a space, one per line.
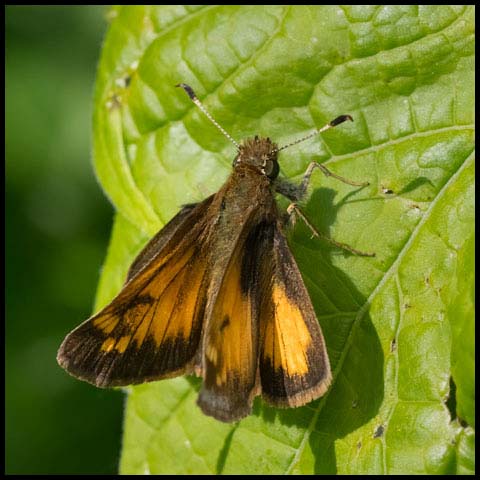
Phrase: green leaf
pixel 398 327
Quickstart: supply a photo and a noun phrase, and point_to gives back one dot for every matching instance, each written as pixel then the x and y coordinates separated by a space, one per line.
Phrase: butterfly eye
pixel 270 168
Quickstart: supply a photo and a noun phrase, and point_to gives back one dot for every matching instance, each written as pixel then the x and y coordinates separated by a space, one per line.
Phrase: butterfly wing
pixel 230 365
pixel 293 360
pixel 156 244
pixel 263 335
pixel 143 334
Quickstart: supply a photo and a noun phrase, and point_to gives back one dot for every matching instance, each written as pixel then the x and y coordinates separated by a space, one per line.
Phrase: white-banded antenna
pixel 328 126
pixel 198 103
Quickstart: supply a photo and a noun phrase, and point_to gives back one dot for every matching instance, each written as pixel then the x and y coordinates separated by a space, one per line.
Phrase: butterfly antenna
pixel 333 123
pixel 198 103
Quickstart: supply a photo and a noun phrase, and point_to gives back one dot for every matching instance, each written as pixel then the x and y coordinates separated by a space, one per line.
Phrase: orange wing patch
pixel 294 366
pixel 230 361
pixel 152 329
pixel 158 317
pixel 287 336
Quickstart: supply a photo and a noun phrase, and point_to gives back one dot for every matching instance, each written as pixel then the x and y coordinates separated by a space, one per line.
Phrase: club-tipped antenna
pixel 333 123
pixel 198 103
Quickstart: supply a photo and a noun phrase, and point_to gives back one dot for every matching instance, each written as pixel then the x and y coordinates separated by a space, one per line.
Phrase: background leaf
pixel 57 224
pixel 399 327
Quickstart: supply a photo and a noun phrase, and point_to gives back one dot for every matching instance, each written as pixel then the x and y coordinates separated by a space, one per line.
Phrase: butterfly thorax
pixel 260 153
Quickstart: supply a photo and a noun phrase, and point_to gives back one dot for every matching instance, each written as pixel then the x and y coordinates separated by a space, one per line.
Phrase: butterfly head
pixel 260 153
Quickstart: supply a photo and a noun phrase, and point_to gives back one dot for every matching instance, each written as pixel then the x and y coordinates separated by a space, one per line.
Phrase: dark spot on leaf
pixel 462 422
pixel 393 345
pixel 379 431
pixel 113 102
pixel 451 400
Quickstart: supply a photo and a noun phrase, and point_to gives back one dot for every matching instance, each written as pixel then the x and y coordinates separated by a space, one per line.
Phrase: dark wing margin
pixel 293 359
pixel 152 328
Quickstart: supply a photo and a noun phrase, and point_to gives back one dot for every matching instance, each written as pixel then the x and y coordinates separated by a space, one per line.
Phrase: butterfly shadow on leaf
pixel 356 356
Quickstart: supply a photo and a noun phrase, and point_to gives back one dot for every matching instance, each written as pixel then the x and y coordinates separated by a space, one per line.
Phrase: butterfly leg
pixel 308 173
pixel 293 211
pixel 297 192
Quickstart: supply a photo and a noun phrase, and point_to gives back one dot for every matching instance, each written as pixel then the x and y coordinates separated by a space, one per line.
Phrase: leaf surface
pixel 399 327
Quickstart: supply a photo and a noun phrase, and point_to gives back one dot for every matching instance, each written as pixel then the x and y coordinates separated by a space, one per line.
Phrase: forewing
pixel 156 244
pixel 151 330
pixel 294 365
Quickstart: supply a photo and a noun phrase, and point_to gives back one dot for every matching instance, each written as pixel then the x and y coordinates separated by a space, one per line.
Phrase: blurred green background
pixel 57 230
